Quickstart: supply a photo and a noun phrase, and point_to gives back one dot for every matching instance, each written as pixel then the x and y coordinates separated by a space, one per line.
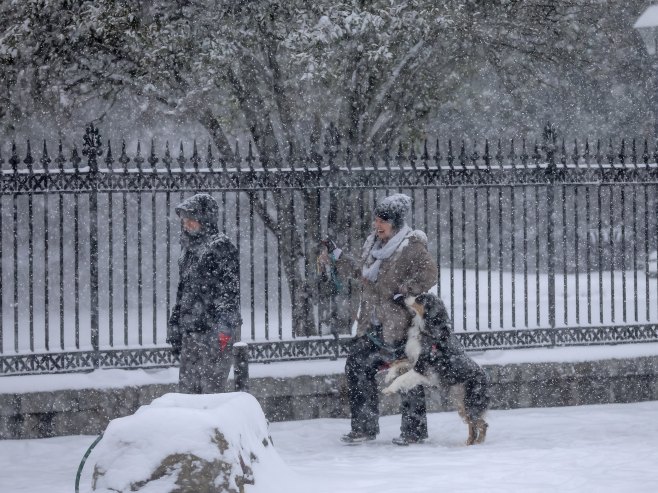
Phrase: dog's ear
pixel 432 305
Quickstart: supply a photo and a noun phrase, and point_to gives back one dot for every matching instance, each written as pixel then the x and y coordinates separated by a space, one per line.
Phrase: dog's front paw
pixel 388 390
pixel 397 368
pixel 390 375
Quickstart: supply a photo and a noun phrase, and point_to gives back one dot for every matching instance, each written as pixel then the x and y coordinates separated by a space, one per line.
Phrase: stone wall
pixel 72 412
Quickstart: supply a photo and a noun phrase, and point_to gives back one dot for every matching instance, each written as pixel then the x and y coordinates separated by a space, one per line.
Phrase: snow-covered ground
pixel 603 448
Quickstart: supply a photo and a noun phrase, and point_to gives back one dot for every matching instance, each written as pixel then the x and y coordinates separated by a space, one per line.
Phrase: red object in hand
pixel 224 339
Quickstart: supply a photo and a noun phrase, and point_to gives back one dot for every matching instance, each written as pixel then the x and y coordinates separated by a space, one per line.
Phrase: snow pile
pixel 187 443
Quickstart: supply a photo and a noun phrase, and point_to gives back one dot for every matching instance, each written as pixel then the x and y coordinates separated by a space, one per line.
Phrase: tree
pixel 280 70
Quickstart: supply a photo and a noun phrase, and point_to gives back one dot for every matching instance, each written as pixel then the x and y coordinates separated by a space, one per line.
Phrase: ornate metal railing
pixel 541 248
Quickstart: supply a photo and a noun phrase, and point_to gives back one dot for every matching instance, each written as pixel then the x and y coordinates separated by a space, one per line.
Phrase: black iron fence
pixel 538 244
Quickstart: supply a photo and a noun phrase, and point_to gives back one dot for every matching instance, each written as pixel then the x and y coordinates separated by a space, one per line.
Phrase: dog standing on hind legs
pixel 434 356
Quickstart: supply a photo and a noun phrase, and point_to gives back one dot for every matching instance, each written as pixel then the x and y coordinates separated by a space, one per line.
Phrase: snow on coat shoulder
pixel 415 235
pixel 219 239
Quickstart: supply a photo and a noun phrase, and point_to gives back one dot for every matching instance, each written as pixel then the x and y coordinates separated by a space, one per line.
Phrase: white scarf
pixel 379 252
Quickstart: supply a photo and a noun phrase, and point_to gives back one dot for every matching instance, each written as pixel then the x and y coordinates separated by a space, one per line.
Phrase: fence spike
pixel 575 157
pixel 264 164
pixel 91 147
pixel 138 159
pixel 332 144
pixel 425 156
pixel 634 153
pixel 60 159
pixel 437 155
pixel 645 153
pixel 181 157
pixel 373 161
pixel 487 155
pixel 399 158
pixel 250 157
pixel 499 154
pixel 412 156
pixel 167 160
pixel 75 159
pixel 524 154
pixel 328 148
pixel 536 155
pixel 587 154
pixel 2 161
pixel 512 154
pixel 13 160
pixel 655 153
pixel 598 156
pixel 45 159
pixel 316 157
pixel 304 160
pixel 622 153
pixel 611 154
pixel 475 155
pixel 387 158
pixel 563 154
pixel 291 155
pixel 29 160
pixel 124 159
pixel 153 160
pixel 236 156
pixel 348 159
pixel 462 155
pixel 195 156
pixel 451 156
pixel 109 160
pixel 210 159
pixel 222 160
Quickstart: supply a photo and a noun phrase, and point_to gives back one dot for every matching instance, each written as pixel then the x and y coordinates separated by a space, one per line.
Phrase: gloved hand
pixel 329 244
pixel 224 339
pixel 176 340
pixel 332 247
pixel 399 299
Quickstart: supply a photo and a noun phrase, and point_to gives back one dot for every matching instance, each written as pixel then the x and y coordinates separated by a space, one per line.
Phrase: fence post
pixel 241 366
pixel 92 149
pixel 550 145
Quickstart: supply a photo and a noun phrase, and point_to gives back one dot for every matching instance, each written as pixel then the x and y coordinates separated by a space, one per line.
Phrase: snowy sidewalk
pixel 602 448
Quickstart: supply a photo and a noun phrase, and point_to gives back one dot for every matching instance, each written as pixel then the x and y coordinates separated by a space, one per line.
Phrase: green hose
pixel 82 462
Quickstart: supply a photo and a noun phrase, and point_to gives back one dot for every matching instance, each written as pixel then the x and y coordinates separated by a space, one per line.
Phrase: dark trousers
pixel 204 367
pixel 363 362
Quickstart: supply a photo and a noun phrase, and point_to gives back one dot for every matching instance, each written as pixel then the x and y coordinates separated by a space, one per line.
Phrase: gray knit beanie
pixel 393 209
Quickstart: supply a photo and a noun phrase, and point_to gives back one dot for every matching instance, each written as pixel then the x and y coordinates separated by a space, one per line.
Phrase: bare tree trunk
pixel 295 262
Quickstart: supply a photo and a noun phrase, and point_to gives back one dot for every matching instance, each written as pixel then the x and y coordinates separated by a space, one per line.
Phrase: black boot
pixel 357 437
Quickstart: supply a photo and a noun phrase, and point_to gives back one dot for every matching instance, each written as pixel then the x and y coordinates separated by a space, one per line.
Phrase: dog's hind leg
pixel 458 395
pixel 476 402
pixel 481 430
pixel 472 433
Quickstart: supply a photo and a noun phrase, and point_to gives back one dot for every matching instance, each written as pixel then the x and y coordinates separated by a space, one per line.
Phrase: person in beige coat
pixel 394 263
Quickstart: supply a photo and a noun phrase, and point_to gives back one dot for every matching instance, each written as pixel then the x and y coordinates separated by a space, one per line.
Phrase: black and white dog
pixel 434 356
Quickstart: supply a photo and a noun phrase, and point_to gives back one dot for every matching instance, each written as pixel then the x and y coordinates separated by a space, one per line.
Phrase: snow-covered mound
pixel 187 443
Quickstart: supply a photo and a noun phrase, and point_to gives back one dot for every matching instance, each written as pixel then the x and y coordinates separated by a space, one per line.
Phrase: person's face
pixel 383 229
pixel 190 225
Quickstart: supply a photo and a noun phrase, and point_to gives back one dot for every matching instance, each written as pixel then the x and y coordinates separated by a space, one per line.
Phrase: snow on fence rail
pixel 538 245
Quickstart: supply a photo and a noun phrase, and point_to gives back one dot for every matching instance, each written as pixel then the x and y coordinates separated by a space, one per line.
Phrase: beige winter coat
pixel 409 270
